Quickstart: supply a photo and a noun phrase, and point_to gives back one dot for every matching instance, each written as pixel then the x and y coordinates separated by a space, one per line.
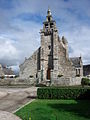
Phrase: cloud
pixel 21 43
pixel 79 40
pixel 8 53
pixel 21 21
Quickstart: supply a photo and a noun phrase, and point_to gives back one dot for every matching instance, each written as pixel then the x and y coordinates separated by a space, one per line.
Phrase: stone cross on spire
pixel 49 15
pixel 49 12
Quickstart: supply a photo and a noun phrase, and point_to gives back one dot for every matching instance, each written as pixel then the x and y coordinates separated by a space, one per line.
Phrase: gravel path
pixel 8 116
pixel 3 94
pixel 13 98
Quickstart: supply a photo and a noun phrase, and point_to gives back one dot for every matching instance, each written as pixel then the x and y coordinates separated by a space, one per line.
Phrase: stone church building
pixel 51 62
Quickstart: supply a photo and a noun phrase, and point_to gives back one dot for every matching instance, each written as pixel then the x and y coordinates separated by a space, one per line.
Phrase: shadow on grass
pixel 81 108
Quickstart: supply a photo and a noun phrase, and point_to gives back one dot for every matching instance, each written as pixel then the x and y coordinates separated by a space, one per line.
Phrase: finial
pixel 49 11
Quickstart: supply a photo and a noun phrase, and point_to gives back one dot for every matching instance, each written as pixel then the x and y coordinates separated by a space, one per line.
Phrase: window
pixel 78 72
pixel 49 19
pixel 49 47
pixel 51 25
pixel 46 25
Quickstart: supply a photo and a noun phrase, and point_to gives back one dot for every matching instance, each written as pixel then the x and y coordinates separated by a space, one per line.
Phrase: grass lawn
pixel 56 110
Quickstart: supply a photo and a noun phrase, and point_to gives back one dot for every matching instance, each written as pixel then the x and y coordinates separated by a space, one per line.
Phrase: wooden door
pixel 48 74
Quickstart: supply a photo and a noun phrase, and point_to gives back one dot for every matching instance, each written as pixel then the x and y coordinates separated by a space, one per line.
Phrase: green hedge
pixel 63 93
pixel 85 81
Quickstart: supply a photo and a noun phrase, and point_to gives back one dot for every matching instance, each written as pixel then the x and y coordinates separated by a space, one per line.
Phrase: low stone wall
pixel 17 82
pixel 66 81
pixel 62 81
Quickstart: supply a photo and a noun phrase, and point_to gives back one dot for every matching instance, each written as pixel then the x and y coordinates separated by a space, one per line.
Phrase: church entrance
pixel 49 74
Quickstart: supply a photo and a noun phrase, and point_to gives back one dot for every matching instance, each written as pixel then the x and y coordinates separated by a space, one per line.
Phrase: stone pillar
pixel 52 78
pixel 42 57
pixel 55 53
pixel 39 77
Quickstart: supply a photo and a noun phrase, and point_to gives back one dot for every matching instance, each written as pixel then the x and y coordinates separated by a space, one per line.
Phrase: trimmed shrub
pixel 63 93
pixel 85 81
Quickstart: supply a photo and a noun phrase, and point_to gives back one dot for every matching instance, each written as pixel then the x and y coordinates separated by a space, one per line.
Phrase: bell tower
pixel 49 38
pixel 49 24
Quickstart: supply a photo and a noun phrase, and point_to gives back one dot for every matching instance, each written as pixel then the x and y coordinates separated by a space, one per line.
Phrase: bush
pixel 85 81
pixel 40 85
pixel 60 75
pixel 63 93
pixel 2 77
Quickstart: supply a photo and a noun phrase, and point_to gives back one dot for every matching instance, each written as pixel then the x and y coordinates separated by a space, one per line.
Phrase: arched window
pixel 77 71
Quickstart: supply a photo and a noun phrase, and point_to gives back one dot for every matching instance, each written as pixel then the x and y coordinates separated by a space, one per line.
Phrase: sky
pixel 21 21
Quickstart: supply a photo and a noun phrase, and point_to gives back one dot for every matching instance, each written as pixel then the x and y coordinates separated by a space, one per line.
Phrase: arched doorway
pixel 49 74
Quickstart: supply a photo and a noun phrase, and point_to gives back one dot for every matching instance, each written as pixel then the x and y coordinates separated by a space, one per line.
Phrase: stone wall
pixel 62 63
pixel 68 81
pixel 1 71
pixel 45 43
pixel 17 82
pixel 29 67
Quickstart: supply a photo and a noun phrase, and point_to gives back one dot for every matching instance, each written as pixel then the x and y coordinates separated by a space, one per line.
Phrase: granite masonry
pixel 50 64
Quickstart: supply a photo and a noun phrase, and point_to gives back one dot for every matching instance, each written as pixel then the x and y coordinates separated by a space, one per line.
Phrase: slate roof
pixel 86 70
pixel 8 71
pixel 5 70
pixel 76 61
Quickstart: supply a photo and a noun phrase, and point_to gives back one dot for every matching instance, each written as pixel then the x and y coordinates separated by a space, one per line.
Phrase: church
pixel 50 63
